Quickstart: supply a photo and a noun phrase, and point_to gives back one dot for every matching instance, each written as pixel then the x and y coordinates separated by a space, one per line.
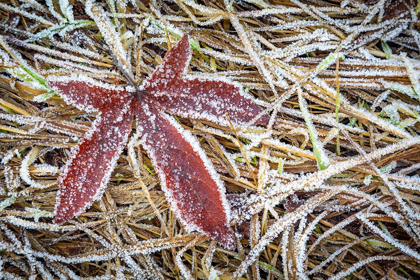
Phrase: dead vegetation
pixel 331 190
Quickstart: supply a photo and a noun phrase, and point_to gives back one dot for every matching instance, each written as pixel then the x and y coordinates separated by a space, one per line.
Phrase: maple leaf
pixel 189 181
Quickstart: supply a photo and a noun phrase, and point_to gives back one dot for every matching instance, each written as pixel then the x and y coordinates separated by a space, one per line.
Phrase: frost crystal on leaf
pixel 192 186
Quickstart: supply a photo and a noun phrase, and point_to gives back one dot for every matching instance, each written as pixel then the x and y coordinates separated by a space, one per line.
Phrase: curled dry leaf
pixel 189 180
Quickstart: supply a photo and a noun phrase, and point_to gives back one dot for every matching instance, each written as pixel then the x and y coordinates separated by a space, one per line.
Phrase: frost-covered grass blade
pixel 319 152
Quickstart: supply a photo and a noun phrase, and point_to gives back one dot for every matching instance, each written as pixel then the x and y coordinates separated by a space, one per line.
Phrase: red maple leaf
pixel 190 183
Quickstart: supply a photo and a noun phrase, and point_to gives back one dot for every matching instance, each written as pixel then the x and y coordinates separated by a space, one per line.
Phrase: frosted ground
pixel 328 188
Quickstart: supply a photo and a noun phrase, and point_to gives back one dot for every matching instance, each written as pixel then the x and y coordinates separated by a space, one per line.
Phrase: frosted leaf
pixel 173 66
pixel 88 170
pixel 396 9
pixel 210 100
pixel 191 184
pixel 87 94
pixel 198 98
